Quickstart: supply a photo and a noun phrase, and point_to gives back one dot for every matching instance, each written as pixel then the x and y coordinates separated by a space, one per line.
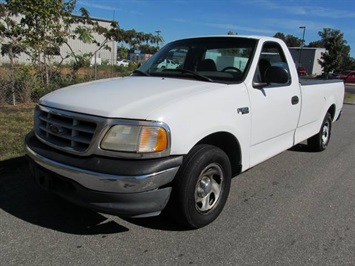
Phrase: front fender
pixel 203 114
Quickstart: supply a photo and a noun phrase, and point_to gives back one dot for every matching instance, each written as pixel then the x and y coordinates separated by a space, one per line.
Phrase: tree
pixel 37 27
pixel 122 52
pixel 281 36
pixel 11 35
pixel 148 49
pixel 338 52
pixel 40 27
pixel 348 63
pixel 290 40
pixel 135 39
pixel 316 44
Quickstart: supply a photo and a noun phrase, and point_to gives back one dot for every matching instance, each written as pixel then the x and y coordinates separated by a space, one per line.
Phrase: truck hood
pixel 131 97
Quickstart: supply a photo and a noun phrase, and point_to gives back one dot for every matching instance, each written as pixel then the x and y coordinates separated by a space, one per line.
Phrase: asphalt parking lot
pixel 294 209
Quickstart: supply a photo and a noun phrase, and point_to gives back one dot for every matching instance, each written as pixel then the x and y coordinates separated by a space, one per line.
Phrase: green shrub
pixel 17 84
pixel 24 83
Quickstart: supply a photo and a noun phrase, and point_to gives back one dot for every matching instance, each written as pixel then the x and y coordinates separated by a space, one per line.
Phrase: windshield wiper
pixel 140 72
pixel 195 74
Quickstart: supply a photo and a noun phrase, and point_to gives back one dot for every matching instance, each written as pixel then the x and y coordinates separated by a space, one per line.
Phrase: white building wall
pixel 309 58
pixel 317 69
pixel 79 48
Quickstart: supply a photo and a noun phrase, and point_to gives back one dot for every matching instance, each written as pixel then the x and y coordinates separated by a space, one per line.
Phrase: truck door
pixel 275 108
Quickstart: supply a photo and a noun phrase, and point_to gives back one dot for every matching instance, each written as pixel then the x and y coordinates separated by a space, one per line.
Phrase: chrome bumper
pixel 105 182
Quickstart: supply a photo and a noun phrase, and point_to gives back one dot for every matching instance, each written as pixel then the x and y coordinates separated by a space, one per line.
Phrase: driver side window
pixel 271 55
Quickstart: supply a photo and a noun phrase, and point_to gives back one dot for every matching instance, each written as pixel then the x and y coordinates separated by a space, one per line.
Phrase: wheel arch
pixel 230 145
pixel 331 110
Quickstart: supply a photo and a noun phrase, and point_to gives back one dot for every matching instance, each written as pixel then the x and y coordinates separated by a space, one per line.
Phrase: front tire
pixel 320 141
pixel 201 186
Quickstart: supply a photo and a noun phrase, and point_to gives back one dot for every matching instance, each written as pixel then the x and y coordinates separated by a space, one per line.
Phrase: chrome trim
pixel 106 182
pixel 103 126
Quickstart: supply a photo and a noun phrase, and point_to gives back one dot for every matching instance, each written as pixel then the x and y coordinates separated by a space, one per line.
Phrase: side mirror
pixel 273 74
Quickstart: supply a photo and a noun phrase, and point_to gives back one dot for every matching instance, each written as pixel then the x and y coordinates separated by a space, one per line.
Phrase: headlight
pixel 135 138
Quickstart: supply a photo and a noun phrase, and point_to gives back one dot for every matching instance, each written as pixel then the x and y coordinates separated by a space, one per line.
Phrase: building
pixel 78 47
pixel 308 58
pixel 139 57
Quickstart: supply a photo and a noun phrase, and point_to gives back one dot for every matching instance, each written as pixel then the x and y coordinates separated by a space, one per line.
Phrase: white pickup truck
pixel 172 138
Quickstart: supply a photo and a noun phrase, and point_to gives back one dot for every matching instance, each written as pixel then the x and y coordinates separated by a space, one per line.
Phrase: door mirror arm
pixel 260 85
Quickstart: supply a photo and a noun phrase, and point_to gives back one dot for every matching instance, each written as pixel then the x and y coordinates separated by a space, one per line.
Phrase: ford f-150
pixel 173 137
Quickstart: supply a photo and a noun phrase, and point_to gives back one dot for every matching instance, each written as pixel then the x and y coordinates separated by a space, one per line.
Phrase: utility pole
pixel 302 44
pixel 158 33
pixel 114 49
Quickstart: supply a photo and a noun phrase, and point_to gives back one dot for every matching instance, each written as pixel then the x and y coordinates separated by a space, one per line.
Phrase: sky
pixel 176 19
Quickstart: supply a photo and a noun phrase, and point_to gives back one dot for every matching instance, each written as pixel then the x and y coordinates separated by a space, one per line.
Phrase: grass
pixel 15 123
pixel 349 98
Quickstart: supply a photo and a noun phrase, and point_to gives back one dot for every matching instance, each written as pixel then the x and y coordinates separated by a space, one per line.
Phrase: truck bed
pixel 313 81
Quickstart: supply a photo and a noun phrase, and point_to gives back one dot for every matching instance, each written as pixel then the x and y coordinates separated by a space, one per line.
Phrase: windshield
pixel 212 59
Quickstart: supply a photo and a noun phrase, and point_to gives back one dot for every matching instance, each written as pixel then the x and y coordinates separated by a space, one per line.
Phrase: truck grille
pixel 64 131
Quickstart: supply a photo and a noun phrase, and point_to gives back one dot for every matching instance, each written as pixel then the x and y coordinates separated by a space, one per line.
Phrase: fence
pixel 24 84
pixel 16 85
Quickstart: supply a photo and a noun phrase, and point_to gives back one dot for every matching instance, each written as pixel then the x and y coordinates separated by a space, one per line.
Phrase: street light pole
pixel 302 44
pixel 158 33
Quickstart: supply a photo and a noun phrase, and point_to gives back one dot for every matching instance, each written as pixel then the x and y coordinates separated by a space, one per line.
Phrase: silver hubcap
pixel 208 188
pixel 325 133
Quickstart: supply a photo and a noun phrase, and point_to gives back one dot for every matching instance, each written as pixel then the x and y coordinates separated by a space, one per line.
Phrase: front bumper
pixel 110 185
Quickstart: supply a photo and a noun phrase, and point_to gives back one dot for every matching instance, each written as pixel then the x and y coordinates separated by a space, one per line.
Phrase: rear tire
pixel 320 141
pixel 201 186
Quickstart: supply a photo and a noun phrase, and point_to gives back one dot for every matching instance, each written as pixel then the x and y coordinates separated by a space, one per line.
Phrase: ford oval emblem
pixel 54 129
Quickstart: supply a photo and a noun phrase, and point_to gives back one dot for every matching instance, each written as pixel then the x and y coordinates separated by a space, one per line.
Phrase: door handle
pixel 295 100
